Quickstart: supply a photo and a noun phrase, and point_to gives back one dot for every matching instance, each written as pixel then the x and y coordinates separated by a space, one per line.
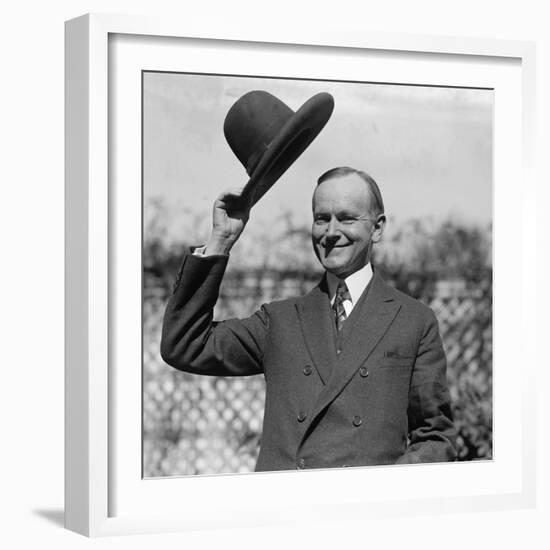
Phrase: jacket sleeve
pixel 432 433
pixel 192 342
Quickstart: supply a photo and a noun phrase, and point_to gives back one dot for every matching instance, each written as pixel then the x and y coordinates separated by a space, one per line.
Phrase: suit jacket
pixel 382 400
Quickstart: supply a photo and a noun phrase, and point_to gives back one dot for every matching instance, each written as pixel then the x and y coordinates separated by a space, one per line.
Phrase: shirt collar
pixel 356 283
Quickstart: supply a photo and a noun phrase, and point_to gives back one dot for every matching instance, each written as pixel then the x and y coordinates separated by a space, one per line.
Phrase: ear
pixel 379 226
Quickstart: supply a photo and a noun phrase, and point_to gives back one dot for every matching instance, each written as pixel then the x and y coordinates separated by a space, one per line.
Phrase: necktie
pixel 342 293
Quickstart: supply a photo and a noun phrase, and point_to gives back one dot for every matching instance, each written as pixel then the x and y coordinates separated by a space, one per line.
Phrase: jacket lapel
pixel 318 329
pixel 373 316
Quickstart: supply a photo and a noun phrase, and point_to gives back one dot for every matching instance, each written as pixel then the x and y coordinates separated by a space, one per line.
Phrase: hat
pixel 267 136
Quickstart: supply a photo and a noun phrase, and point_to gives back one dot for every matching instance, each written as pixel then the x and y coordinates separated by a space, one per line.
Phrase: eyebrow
pixel 337 214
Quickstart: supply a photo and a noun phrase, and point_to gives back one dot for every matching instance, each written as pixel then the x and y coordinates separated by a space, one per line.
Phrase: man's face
pixel 344 224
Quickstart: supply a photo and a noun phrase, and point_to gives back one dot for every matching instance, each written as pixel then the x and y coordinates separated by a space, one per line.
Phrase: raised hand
pixel 229 217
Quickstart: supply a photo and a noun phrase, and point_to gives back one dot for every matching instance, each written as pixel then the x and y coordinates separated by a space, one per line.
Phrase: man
pixel 355 370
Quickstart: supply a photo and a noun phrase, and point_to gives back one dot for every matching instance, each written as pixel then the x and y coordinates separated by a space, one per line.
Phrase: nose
pixel 333 228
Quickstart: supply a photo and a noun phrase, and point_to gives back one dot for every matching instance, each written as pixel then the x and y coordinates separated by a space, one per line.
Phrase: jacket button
pixel 308 369
pixel 301 416
pixel 300 464
pixel 357 421
pixel 363 372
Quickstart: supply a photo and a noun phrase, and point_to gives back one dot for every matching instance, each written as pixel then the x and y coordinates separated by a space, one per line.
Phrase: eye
pixel 321 220
pixel 347 220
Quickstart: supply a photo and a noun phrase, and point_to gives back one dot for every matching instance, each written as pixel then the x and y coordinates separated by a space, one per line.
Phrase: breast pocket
pixel 397 359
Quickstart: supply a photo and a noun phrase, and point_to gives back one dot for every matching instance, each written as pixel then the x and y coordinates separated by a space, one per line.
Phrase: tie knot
pixel 342 292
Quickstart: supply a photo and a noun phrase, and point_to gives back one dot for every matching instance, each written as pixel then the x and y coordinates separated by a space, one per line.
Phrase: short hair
pixel 369 180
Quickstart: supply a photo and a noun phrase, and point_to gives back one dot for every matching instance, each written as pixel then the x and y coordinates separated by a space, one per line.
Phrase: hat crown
pixel 252 124
pixel 267 136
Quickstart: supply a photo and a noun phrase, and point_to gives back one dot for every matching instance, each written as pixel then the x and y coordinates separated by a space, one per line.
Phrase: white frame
pixel 88 437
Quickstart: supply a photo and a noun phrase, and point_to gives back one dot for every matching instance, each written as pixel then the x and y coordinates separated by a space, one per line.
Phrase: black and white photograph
pixel 317 274
pixel 276 275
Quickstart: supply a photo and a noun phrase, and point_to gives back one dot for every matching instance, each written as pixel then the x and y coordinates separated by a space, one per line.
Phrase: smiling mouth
pixel 331 246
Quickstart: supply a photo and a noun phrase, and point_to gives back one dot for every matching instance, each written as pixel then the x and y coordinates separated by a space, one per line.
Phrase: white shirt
pixel 357 282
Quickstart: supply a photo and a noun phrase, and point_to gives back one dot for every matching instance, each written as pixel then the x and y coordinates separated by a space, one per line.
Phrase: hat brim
pixel 291 141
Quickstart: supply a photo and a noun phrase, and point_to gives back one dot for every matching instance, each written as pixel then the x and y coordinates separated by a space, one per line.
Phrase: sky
pixel 429 148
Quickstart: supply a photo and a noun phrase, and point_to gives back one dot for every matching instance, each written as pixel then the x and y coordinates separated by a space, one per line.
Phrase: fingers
pixel 233 200
pixel 230 194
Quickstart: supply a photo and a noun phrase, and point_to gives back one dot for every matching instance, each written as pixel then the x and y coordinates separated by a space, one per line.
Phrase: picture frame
pixel 105 493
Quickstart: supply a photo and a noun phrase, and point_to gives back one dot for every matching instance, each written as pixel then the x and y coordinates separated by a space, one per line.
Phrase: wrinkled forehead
pixel 349 193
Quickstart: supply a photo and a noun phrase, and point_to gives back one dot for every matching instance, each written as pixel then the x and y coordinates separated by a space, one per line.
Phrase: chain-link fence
pixel 205 425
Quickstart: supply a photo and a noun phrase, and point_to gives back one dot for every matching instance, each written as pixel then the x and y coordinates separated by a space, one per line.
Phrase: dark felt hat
pixel 267 136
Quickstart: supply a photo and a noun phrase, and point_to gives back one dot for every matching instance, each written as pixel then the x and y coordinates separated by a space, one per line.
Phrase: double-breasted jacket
pixel 383 400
